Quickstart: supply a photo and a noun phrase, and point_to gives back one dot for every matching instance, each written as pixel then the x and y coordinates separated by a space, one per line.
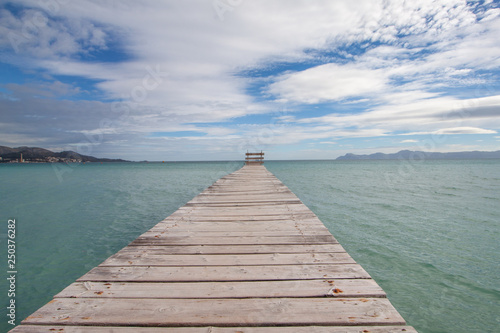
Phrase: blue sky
pixel 211 79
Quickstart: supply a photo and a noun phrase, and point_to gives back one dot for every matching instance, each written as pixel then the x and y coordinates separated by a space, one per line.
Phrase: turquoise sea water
pixel 427 231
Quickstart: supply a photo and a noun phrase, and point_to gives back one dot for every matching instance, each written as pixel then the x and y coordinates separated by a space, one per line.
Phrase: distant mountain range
pixel 408 154
pixel 41 155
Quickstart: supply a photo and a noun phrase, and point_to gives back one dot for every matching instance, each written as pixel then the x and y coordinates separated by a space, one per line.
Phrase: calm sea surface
pixel 427 231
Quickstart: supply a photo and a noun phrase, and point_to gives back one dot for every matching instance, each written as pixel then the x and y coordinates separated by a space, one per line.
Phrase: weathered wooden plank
pixel 244 213
pixel 228 190
pixel 282 329
pixel 230 240
pixel 234 249
pixel 244 176
pixel 299 218
pixel 244 184
pixel 295 205
pixel 234 233
pixel 213 312
pixel 242 204
pixel 151 259
pixel 185 216
pixel 236 192
pixel 248 178
pixel 225 273
pixel 269 209
pixel 296 288
pixel 261 198
pixel 257 194
pixel 239 226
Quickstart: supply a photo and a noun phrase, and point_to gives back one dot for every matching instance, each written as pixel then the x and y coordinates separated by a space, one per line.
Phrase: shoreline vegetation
pixel 41 155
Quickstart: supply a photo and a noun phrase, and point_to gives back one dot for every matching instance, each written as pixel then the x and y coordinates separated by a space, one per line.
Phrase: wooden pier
pixel 245 255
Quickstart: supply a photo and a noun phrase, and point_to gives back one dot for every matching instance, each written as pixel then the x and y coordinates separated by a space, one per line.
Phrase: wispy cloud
pixel 456 130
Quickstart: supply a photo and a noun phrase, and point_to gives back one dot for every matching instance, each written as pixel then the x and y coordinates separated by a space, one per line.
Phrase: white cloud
pixel 409 141
pixel 410 116
pixel 329 82
pixel 201 53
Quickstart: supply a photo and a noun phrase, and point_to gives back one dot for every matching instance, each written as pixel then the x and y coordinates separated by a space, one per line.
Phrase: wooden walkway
pixel 245 255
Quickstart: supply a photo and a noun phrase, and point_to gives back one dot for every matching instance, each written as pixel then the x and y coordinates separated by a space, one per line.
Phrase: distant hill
pixel 408 154
pixel 41 155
